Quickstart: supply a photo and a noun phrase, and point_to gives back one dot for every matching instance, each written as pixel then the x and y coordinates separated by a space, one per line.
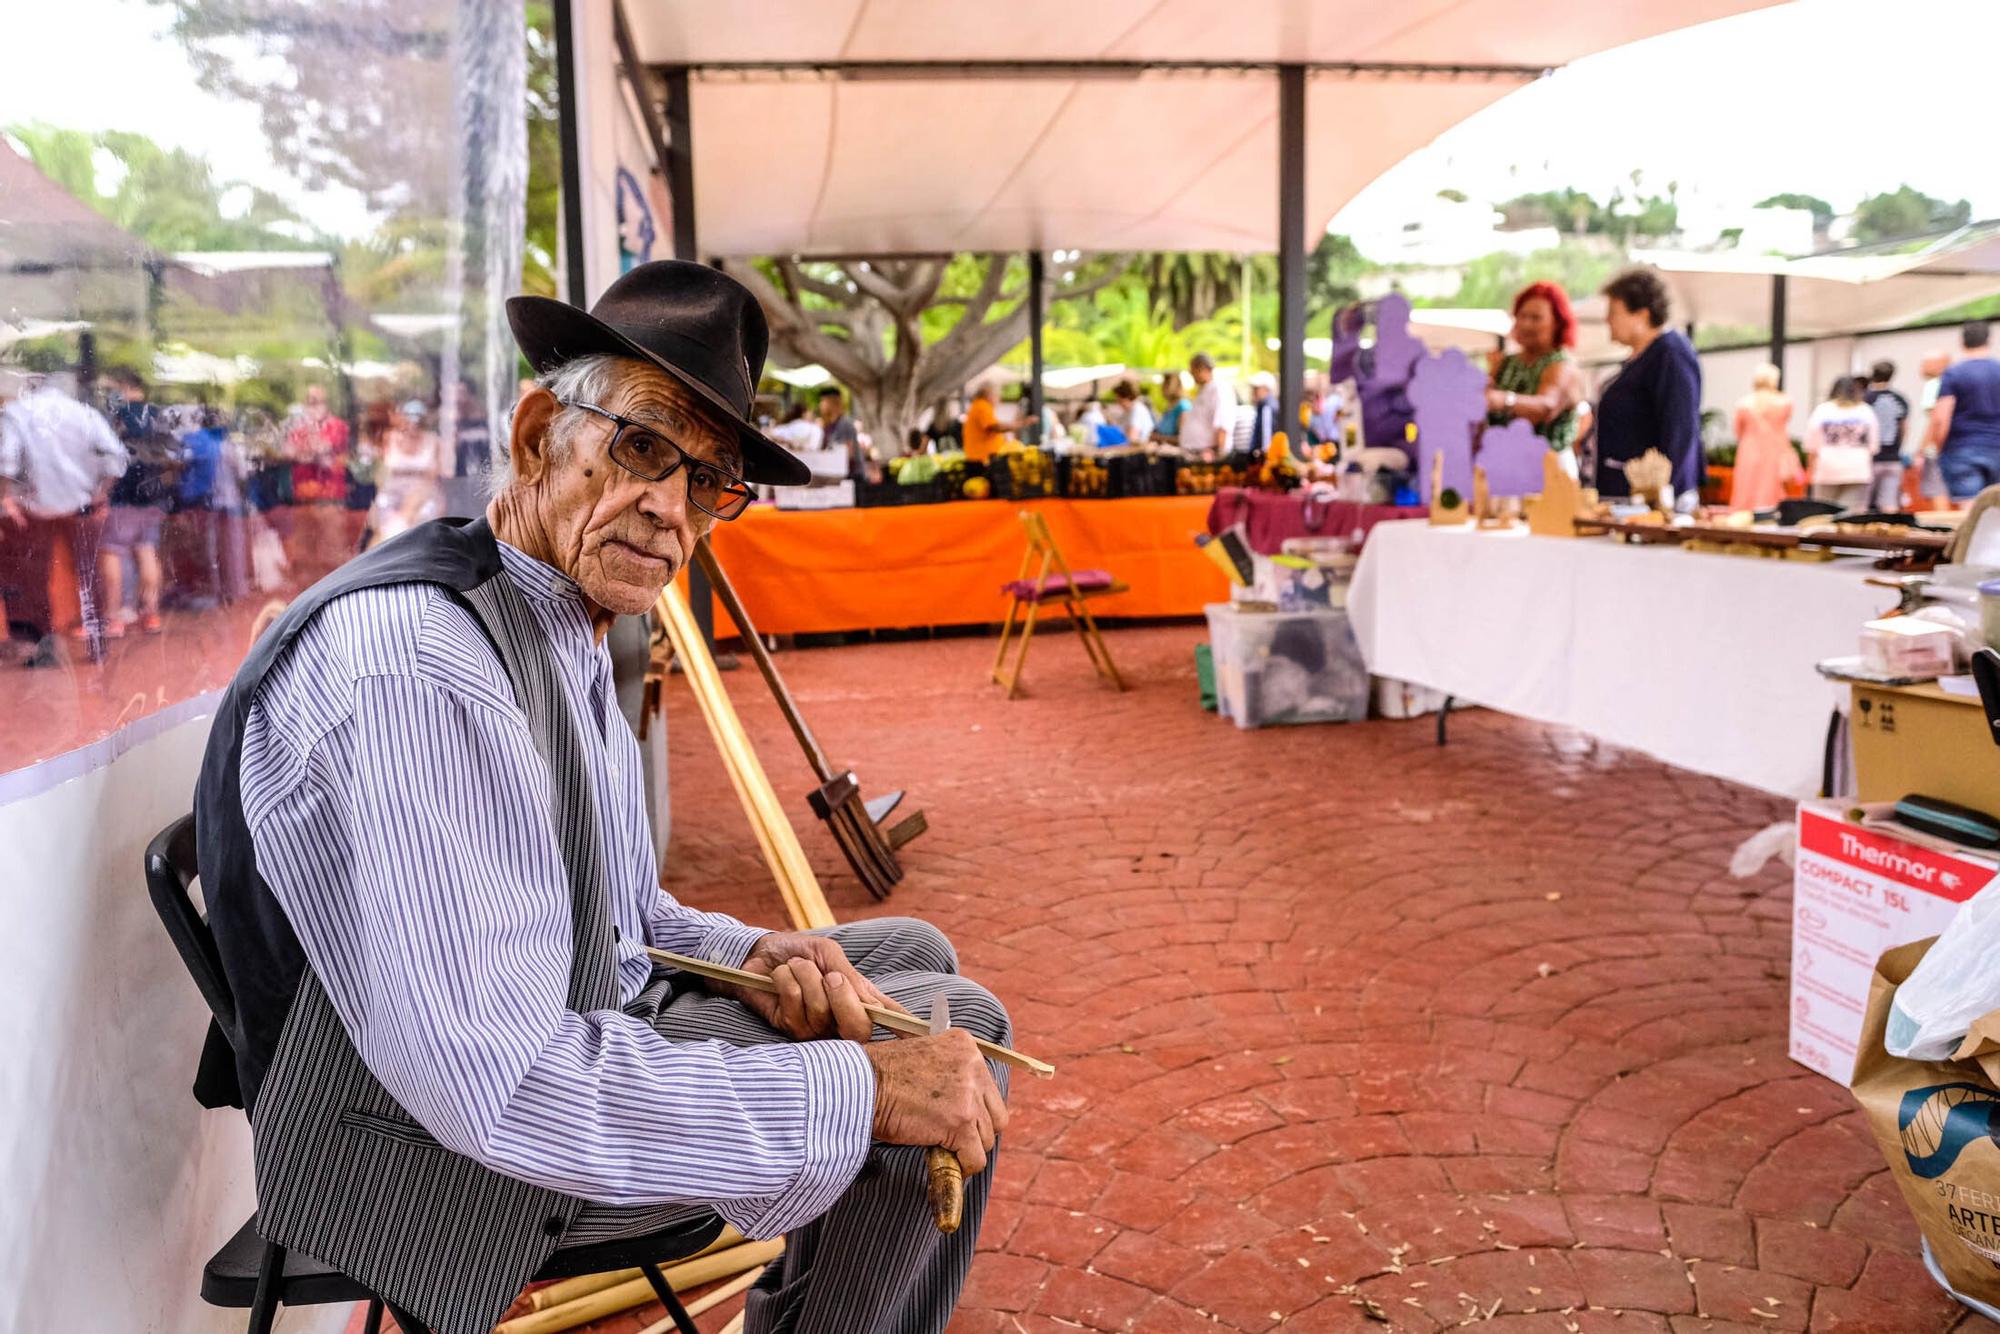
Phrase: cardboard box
pixel 1921 739
pixel 1856 893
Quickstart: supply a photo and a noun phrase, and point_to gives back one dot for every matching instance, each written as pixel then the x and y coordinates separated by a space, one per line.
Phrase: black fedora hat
pixel 694 322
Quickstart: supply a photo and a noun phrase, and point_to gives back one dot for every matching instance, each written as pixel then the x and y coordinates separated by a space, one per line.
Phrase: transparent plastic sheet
pixel 276 217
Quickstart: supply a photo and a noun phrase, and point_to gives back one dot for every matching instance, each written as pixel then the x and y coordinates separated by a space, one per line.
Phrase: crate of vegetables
pixel 1022 474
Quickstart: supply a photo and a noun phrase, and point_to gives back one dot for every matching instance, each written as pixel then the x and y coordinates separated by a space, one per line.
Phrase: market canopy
pixel 1840 292
pixel 844 127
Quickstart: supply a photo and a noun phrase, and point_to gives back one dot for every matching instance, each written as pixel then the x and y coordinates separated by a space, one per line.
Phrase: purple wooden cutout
pixel 1381 371
pixel 1512 456
pixel 1449 396
pixel 1396 351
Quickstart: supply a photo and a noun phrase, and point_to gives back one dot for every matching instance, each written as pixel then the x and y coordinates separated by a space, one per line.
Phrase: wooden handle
pixel 893 1020
pixel 947 1189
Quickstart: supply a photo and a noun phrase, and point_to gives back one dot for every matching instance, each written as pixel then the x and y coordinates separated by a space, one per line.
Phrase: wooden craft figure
pixel 1448 394
pixel 1380 370
pixel 1553 512
pixel 1448 507
pixel 1512 457
pixel 1649 476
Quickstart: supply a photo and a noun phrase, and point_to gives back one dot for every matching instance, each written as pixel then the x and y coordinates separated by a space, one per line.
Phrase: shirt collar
pixel 540 582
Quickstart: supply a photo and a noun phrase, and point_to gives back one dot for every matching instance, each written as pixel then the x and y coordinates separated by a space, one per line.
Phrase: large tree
pixel 1904 212
pixel 865 321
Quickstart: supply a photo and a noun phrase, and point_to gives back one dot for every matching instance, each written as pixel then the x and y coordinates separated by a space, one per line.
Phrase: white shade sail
pixel 1845 292
pixel 804 143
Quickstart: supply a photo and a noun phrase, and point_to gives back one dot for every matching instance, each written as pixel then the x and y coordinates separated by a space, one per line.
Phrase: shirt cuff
pixel 840 1113
pixel 730 945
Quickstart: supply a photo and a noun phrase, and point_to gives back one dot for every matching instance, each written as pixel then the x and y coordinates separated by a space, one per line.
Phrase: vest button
pixel 552 1225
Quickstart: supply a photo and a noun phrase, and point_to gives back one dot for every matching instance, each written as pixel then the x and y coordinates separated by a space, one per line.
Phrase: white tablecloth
pixel 1701 660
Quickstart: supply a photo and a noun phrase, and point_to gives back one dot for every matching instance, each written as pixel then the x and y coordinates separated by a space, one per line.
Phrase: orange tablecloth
pixel 814 571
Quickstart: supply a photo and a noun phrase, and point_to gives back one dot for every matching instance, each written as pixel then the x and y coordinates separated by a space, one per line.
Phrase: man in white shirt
pixel 1206 424
pixel 58 459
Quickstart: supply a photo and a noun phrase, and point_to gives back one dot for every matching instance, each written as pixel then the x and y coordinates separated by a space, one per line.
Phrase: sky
pixel 1837 98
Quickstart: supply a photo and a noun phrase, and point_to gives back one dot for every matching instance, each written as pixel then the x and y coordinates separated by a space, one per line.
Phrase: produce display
pixel 1088 479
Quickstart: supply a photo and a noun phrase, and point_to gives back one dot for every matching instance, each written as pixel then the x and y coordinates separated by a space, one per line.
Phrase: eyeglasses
pixel 642 451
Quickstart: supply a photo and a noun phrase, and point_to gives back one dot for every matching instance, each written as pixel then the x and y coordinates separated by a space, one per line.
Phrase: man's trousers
pixel 875 1262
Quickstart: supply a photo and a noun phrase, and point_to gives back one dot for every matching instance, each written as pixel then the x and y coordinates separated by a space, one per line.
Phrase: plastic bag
pixel 1954 985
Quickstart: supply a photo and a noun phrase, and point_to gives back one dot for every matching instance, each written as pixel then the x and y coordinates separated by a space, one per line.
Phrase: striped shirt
pixel 400 813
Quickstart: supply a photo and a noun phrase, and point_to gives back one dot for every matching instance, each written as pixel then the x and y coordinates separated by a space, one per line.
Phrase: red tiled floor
pixel 1311 1057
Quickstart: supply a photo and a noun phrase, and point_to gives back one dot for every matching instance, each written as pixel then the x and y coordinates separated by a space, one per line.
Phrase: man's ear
pixel 529 444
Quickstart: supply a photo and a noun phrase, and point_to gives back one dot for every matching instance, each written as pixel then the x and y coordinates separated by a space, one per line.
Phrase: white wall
pixel 118 1186
pixel 1811 368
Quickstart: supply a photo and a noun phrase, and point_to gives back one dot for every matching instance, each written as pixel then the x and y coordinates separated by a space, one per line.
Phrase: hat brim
pixel 551 332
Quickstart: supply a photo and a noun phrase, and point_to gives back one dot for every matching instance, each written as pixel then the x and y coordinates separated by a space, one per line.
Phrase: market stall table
pixel 903 567
pixel 1701 660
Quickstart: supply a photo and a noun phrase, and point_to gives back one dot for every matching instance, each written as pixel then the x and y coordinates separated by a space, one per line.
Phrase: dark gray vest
pixel 343 1172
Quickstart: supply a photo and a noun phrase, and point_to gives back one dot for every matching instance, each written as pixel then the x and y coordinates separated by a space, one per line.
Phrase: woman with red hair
pixel 1539 383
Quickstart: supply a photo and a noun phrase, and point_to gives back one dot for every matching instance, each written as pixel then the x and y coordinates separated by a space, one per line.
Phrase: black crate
pixel 1137 475
pixel 1011 482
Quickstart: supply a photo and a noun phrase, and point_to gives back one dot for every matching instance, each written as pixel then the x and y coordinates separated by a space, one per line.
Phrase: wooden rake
pixel 856 823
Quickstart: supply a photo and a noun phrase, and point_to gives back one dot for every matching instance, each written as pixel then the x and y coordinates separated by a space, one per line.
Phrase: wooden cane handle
pixel 947 1188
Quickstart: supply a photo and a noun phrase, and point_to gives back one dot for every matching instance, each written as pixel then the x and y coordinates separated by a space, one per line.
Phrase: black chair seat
pixel 664 1247
pixel 229 1278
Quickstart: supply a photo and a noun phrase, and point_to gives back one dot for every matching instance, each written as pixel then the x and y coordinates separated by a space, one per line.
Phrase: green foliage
pixel 167 197
pixel 1905 211
pixel 1622 218
pixel 1822 212
pixel 1492 280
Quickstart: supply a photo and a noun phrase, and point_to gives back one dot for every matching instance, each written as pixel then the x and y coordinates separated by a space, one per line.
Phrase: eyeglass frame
pixel 619 425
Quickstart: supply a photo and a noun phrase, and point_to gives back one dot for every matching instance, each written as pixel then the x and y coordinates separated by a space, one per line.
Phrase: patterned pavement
pixel 1355 1033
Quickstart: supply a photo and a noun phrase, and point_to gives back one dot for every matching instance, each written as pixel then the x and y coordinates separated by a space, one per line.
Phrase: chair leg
pixel 665 1292
pixel 1091 635
pixel 406 1322
pixel 270 1282
pixel 374 1324
pixel 1006 629
pixel 1013 682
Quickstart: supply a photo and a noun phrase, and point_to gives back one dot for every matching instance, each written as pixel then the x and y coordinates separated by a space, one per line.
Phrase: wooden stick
pixel 569 1289
pixel 804 901
pixel 637 1292
pixel 893 1020
pixel 704 554
pixel 708 1301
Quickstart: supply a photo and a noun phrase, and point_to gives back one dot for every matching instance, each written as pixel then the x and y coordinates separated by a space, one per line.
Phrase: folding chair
pixel 250 1271
pixel 1053 581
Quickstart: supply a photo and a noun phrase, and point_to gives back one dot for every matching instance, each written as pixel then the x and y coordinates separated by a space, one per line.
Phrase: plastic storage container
pixel 1286 667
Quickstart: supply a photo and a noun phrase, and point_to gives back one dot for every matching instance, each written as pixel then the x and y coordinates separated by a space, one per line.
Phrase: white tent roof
pixel 805 144
pixel 1842 292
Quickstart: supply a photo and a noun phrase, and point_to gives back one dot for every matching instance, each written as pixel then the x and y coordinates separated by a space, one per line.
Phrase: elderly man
pixel 424 845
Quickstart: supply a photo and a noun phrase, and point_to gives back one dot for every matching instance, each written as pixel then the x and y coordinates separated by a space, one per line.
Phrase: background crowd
pixel 115 508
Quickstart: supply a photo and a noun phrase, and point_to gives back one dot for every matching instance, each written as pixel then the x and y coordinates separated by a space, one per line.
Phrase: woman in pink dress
pixel 1765 459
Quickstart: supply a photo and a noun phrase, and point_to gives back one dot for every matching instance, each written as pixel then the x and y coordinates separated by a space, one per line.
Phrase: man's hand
pixel 11 510
pixel 820 995
pixel 936 1092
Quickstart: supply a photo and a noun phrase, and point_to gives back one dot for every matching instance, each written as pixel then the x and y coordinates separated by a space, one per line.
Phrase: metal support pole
pixel 1778 324
pixel 679 165
pixel 1291 247
pixel 1034 342
pixel 576 291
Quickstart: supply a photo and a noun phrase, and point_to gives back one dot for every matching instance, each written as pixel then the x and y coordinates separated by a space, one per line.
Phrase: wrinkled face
pixel 1625 326
pixel 620 537
pixel 1535 325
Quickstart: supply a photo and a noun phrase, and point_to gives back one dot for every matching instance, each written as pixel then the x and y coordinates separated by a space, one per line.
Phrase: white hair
pixel 585 380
